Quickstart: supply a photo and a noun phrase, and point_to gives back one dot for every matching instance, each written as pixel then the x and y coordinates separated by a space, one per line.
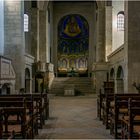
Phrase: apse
pixel 73 44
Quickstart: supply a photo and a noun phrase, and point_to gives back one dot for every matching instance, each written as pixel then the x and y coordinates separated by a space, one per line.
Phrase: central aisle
pixel 73 118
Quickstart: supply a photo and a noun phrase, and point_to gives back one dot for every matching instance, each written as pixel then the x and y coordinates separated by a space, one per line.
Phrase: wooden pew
pixel 103 107
pixel 41 104
pixel 100 98
pixel 1 127
pixel 106 105
pixel 131 122
pixel 120 108
pixel 30 112
pixel 21 130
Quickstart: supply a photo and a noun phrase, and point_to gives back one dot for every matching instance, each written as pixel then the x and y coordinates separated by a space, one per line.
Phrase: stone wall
pixel 116 59
pixel 14 47
pixel 132 41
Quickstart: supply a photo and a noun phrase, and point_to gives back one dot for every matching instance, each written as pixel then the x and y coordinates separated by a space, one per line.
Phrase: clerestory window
pixel 26 23
pixel 120 21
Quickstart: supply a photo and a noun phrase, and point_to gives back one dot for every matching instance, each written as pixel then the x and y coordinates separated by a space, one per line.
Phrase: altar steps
pixel 82 85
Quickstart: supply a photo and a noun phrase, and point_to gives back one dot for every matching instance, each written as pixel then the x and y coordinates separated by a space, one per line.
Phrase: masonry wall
pixel 14 47
pixel 132 41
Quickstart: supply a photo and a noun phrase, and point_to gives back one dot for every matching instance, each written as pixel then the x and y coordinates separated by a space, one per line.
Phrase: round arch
pixel 6 88
pixel 120 80
pixel 73 42
pixel 112 74
pixel 120 73
pixel 27 80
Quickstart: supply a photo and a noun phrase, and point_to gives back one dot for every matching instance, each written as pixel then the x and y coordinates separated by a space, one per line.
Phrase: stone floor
pixel 73 118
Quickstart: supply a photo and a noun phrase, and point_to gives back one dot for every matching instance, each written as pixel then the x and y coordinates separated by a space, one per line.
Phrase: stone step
pixel 75 86
pixel 79 80
pixel 62 91
pixel 80 84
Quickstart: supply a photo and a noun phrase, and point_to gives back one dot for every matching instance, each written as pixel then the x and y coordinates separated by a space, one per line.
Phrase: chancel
pixel 63 61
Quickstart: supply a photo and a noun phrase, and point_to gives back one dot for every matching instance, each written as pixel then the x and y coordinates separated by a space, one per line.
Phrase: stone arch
pixel 6 88
pixel 73 39
pixel 64 63
pixel 120 80
pixel 27 80
pixel 112 74
pixel 81 63
pixel 120 72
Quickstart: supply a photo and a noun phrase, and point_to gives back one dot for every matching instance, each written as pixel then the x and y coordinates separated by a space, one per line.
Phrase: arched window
pixel 120 21
pixel 120 73
pixel 112 74
pixel 26 23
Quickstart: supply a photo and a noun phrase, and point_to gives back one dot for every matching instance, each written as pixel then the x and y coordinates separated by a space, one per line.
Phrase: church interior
pixel 81 56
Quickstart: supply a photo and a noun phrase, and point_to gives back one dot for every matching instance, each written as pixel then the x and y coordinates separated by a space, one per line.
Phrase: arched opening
pixel 27 80
pixel 73 45
pixel 120 21
pixel 119 80
pixel 112 74
pixel 5 90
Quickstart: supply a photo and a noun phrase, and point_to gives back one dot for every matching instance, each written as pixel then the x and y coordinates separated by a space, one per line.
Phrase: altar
pixel 69 90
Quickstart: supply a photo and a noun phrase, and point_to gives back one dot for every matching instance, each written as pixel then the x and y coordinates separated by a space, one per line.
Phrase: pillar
pixel 35 33
pixel 100 67
pixel 100 49
pixel 14 47
pixel 132 47
pixel 108 31
pixel 42 36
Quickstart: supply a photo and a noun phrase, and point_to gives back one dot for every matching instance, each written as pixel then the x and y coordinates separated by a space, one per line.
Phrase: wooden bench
pixel 106 106
pixel 41 104
pixel 120 108
pixel 108 89
pixel 131 121
pixel 14 102
pixel 21 128
pixel 37 109
pixel 103 107
pixel 100 98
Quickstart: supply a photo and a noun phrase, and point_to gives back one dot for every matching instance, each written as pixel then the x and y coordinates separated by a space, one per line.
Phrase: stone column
pixel 42 36
pixel 14 38
pixel 48 36
pixel 132 42
pixel 100 67
pixel 108 31
pixel 35 33
pixel 100 49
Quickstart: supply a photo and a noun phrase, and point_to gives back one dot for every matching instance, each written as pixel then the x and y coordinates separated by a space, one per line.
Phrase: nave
pixel 73 118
